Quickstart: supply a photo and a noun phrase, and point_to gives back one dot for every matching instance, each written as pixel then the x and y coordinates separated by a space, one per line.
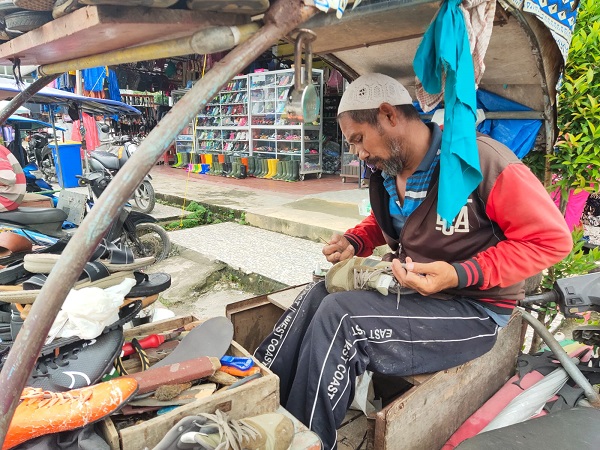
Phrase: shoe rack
pixel 272 136
pixel 222 127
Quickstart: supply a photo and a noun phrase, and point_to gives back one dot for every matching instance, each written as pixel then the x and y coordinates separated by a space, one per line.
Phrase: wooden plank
pixel 286 297
pixel 110 433
pixel 158 327
pixel 253 319
pixel 352 435
pixel 97 29
pixel 427 415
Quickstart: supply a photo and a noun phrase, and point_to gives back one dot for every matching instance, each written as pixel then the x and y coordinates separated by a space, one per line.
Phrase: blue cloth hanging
pixel 445 48
pixel 93 79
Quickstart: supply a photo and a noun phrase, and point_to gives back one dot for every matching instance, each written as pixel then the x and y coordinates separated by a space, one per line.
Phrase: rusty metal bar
pixel 282 17
pixel 25 95
pixel 211 40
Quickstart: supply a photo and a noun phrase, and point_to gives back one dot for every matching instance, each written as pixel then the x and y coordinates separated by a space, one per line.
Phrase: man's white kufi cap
pixel 371 90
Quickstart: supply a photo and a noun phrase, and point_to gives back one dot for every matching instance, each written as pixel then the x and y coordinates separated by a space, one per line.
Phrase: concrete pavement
pixel 311 209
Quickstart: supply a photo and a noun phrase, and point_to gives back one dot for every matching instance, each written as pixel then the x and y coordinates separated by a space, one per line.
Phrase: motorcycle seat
pixel 33 216
pixel 107 159
pixel 577 428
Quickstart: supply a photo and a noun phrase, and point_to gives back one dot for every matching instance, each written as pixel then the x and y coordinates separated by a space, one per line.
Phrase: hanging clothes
pixel 445 50
pixel 559 16
pixel 93 79
pixel 91 132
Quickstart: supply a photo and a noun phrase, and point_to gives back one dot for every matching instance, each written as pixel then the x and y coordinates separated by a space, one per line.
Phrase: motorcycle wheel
pixel 152 240
pixel 144 197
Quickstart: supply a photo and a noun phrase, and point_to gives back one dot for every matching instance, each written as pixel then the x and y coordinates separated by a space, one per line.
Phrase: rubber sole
pixel 27 297
pixel 44 263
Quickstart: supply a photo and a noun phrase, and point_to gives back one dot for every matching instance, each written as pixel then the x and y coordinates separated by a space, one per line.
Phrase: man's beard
pixel 396 161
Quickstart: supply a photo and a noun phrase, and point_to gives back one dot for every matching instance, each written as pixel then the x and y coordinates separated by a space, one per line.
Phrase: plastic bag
pixel 87 311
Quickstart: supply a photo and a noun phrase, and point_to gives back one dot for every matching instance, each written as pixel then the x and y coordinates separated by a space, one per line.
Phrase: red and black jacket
pixel 508 231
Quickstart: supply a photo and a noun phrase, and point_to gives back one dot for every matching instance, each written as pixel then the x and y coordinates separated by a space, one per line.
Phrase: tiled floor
pixel 310 185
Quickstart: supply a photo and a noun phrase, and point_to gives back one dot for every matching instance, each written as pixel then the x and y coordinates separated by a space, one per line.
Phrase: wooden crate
pixel 256 397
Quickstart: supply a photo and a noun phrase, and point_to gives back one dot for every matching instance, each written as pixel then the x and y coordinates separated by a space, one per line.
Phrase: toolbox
pixel 255 397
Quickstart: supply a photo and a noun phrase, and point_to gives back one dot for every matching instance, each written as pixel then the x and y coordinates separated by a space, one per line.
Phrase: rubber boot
pixel 261 168
pixel 243 171
pixel 295 170
pixel 272 168
pixel 279 172
pixel 285 175
pixel 269 169
pixel 251 166
pixel 179 161
pixel 226 169
pixel 185 160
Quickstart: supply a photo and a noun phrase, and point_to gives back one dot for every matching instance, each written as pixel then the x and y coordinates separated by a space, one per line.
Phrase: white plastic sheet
pixel 87 311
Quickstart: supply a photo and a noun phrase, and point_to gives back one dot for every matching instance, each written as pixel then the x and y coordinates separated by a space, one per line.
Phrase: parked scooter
pixel 109 158
pixel 136 229
pixel 39 152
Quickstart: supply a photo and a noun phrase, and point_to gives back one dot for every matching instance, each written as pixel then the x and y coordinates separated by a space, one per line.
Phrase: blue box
pixel 67 162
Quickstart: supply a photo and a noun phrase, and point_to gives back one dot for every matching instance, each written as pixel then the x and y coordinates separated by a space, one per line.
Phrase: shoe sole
pixel 27 297
pixel 44 263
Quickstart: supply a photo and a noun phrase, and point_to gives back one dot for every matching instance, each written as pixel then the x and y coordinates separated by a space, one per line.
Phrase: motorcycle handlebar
pixel 543 298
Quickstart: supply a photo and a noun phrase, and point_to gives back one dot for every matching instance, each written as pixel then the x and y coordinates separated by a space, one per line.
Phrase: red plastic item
pixel 152 341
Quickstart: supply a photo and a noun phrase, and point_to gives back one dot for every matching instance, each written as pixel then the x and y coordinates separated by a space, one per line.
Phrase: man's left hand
pixel 425 278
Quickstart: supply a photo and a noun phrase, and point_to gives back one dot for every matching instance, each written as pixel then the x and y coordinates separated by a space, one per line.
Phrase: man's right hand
pixel 338 249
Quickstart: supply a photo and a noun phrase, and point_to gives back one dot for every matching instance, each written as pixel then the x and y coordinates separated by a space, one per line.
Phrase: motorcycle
pixel 110 157
pixel 138 230
pixel 39 152
pixel 44 226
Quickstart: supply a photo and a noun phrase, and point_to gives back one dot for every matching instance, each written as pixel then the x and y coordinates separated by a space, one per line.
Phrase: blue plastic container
pixel 67 162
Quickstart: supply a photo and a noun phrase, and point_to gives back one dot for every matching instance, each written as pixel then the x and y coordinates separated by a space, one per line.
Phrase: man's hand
pixel 427 278
pixel 338 249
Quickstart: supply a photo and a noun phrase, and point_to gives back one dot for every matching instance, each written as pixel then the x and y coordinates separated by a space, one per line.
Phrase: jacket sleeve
pixel 365 236
pixel 537 235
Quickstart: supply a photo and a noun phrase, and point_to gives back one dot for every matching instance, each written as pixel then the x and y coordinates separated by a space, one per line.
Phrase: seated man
pixel 12 181
pixel 466 279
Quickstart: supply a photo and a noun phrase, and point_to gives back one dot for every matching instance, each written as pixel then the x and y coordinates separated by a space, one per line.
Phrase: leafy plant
pixel 576 159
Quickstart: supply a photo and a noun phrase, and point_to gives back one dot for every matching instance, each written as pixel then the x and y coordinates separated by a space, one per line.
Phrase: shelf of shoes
pixel 272 135
pixel 222 127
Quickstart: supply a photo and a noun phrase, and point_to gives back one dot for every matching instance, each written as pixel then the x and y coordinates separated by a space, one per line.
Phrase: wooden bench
pixel 421 418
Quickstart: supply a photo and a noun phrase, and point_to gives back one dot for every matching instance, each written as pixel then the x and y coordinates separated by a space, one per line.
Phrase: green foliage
pixel 536 161
pixel 202 215
pixel 577 157
pixel 577 262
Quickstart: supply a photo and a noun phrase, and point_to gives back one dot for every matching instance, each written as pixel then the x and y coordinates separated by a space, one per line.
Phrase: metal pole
pixel 25 95
pixel 282 17
pixel 211 40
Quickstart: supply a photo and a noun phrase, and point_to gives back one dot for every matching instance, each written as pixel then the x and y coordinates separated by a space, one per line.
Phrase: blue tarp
pixel 518 135
pixel 25 123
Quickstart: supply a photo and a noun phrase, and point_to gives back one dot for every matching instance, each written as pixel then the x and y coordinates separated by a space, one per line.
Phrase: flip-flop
pixel 12 272
pixel 210 338
pixel 118 259
pixel 148 284
pixel 94 275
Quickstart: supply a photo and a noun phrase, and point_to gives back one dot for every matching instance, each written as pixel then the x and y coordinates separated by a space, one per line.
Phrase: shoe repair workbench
pixel 422 411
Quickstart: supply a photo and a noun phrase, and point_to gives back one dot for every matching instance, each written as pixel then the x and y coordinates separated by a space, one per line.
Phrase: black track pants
pixel 324 341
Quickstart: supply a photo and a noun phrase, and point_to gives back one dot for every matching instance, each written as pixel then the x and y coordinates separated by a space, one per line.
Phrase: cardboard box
pixel 256 397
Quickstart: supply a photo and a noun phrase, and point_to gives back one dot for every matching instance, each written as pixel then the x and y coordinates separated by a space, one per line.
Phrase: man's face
pixel 375 146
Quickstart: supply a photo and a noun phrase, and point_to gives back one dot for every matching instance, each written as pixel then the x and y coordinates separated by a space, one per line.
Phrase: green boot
pixel 288 171
pixel 250 166
pixel 295 171
pixel 179 161
pixel 279 173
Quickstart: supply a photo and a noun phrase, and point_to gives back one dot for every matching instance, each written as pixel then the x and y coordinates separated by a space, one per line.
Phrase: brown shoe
pixel 42 412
